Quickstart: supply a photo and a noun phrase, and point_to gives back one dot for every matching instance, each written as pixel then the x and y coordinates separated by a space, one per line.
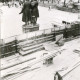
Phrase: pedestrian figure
pixel 48 1
pixel 26 12
pixel 9 4
pixel 16 4
pixel 21 2
pixel 12 3
pixel 57 76
pixel 34 11
pixel 49 8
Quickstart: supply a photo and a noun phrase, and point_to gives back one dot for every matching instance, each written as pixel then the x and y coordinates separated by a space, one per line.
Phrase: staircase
pixel 30 46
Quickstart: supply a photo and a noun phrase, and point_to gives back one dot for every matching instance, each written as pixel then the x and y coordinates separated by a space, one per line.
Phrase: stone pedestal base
pixel 30 28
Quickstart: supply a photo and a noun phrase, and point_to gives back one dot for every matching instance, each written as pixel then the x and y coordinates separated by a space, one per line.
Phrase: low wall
pixel 10 46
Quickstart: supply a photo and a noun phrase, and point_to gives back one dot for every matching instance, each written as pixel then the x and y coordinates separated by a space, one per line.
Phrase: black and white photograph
pixel 39 39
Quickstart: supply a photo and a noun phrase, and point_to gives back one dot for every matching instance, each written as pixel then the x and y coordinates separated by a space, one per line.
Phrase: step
pixel 30 42
pixel 23 53
pixel 31 47
pixel 36 45
pixel 25 42
pixel 36 41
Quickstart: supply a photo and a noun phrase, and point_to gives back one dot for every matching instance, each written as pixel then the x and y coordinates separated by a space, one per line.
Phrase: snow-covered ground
pixel 11 25
pixel 64 61
pixel 11 21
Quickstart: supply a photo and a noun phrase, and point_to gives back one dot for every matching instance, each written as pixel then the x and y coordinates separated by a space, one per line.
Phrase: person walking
pixel 26 11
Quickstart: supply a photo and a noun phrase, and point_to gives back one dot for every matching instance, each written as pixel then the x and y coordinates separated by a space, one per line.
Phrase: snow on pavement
pixel 11 21
pixel 11 25
pixel 66 59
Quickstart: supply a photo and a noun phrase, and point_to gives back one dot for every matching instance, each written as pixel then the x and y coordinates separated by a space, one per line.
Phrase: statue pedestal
pixel 30 28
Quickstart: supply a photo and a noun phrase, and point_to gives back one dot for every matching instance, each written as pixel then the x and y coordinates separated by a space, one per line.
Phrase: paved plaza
pixel 11 21
pixel 67 59
pixel 11 25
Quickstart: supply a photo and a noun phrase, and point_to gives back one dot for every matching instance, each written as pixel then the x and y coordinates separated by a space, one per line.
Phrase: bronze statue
pixel 34 11
pixel 30 12
pixel 26 10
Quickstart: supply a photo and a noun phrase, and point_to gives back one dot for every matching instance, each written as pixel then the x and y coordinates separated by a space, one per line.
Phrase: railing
pixel 10 45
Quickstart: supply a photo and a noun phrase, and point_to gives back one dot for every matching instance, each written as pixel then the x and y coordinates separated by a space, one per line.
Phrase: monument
pixel 30 15
pixel 30 28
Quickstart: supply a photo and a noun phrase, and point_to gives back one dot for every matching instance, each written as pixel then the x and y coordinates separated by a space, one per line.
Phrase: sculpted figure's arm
pixel 22 9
